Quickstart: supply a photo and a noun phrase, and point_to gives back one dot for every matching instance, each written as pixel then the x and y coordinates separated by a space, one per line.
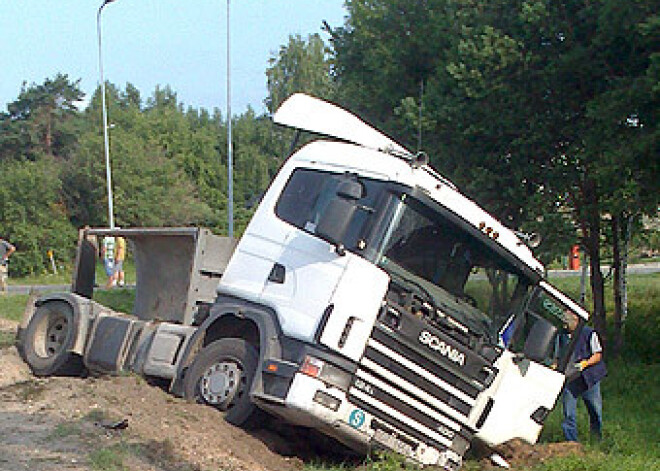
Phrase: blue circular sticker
pixel 356 419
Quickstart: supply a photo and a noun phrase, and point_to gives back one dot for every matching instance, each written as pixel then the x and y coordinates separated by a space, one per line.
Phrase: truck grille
pixel 419 396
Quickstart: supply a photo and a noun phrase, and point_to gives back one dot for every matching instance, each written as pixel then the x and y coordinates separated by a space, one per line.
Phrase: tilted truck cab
pixel 367 298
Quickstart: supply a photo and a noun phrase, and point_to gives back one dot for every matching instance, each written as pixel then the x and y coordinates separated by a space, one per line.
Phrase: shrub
pixel 32 216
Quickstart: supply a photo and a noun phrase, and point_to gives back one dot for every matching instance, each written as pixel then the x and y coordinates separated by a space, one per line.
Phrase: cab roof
pixel 370 153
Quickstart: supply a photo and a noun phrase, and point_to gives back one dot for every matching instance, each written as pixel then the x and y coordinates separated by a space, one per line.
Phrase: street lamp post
pixel 230 162
pixel 108 172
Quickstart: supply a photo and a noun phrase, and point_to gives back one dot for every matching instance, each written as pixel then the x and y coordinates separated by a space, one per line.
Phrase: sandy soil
pixel 53 424
pixel 66 424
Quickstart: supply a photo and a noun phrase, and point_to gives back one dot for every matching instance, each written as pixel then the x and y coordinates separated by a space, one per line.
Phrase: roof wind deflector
pixel 307 113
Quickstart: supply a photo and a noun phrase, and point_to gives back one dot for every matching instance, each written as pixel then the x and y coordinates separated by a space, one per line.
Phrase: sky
pixel 181 43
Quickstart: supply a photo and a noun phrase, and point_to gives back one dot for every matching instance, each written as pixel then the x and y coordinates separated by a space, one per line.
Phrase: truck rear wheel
pixel 221 376
pixel 48 340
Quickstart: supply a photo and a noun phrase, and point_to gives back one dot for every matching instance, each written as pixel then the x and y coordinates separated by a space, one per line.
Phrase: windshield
pixel 462 278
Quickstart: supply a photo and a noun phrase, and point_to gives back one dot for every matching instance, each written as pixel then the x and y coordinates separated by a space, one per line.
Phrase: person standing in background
pixel 6 249
pixel 108 255
pixel 588 360
pixel 120 256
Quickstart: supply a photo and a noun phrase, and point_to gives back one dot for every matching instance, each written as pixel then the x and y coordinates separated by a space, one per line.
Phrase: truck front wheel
pixel 48 340
pixel 221 376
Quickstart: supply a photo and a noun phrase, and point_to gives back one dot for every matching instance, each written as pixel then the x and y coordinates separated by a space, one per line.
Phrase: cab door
pixel 301 283
pixel 531 374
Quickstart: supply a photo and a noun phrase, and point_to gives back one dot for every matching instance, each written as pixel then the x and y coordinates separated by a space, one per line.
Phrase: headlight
pixel 326 372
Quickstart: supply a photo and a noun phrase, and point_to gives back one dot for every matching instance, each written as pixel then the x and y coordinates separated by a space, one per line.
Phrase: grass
pixel 120 456
pixel 631 393
pixel 64 276
pixel 66 429
pixel 111 458
pixel 119 299
pixel 30 390
pixel 631 411
pixel 642 330
pixel 12 306
pixel 95 415
pixel 6 339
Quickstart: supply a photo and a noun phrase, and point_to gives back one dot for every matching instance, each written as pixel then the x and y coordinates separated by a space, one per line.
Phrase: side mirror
pixel 339 212
pixel 350 190
pixel 540 340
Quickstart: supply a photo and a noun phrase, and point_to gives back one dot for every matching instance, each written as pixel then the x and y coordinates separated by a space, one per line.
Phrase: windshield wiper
pixel 406 283
pixel 440 317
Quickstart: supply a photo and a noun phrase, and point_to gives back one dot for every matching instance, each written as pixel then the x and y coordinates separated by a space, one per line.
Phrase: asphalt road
pixel 26 289
pixel 637 269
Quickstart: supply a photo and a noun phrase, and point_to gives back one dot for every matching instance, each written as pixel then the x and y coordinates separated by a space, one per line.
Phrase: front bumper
pixel 307 404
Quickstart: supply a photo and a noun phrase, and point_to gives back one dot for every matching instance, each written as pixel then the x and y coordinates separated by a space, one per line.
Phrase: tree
pixel 33 216
pixel 385 53
pixel 148 149
pixel 42 121
pixel 149 189
pixel 300 66
pixel 543 111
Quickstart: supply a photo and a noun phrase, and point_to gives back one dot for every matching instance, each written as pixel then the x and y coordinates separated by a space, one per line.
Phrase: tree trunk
pixel 598 291
pixel 624 270
pixel 49 137
pixel 590 222
pixel 617 341
pixel 621 235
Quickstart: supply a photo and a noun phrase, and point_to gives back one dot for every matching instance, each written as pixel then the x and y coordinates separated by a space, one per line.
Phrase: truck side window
pixel 299 197
pixel 308 193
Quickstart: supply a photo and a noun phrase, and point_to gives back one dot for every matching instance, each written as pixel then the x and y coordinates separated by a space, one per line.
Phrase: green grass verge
pixel 631 413
pixel 64 276
pixel 111 458
pixel 642 329
pixel 6 339
pixel 119 299
pixel 631 392
pixel 12 306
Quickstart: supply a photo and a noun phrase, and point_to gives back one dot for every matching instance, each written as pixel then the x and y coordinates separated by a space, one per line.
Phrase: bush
pixel 32 216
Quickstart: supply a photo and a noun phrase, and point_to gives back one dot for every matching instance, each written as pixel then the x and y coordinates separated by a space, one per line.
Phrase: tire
pixel 221 376
pixel 48 340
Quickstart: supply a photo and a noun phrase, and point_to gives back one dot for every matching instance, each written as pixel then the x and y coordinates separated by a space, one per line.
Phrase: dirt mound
pixel 75 424
pixel 13 370
pixel 123 422
pixel 521 455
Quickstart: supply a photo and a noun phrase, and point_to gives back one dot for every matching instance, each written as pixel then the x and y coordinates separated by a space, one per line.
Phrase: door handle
pixel 277 274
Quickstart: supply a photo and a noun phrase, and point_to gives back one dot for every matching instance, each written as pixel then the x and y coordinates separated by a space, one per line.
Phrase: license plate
pixel 393 442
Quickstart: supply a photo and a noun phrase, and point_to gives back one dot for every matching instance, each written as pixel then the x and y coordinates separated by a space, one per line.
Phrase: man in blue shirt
pixel 588 360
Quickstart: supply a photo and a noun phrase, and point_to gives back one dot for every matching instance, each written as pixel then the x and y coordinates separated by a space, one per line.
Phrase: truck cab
pixel 422 323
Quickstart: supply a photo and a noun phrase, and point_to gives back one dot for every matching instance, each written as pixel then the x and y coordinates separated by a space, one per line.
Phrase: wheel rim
pixel 51 335
pixel 222 384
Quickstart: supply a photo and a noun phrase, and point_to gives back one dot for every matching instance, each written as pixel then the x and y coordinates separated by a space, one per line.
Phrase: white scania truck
pixel 368 299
